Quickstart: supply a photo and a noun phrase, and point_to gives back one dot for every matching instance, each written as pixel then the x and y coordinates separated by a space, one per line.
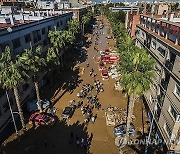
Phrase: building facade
pixel 161 38
pixel 20 34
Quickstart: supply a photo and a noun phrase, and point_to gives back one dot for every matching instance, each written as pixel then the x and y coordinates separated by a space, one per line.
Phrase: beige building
pixel 161 8
pixel 161 38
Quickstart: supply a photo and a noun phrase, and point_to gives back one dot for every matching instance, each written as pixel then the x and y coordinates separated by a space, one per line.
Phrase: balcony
pixel 169 65
pixel 164 84
pixel 161 99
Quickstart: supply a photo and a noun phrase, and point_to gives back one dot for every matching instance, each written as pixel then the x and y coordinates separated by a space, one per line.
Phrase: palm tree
pixel 73 26
pixel 33 61
pixel 11 76
pixel 52 61
pixel 60 40
pixel 137 76
pixel 85 20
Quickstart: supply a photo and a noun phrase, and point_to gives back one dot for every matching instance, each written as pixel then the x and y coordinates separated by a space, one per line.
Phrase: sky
pixel 130 0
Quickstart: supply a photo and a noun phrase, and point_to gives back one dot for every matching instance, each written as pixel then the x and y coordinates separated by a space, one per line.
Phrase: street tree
pixel 137 76
pixel 34 62
pixel 12 75
pixel 73 26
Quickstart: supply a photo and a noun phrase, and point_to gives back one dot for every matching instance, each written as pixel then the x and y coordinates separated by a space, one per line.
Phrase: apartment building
pixel 161 38
pixel 25 30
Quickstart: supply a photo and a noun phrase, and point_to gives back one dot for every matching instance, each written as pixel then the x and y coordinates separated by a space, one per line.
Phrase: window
pixel 43 31
pixel 25 86
pixel 162 51
pixel 5 107
pixel 167 129
pixel 172 112
pixel 2 92
pixel 36 36
pixel 45 42
pixel 158 69
pixel 153 44
pixel 27 38
pixel 142 36
pixel 177 91
pixel 49 28
pixel 57 24
pixel 61 22
pixel 16 43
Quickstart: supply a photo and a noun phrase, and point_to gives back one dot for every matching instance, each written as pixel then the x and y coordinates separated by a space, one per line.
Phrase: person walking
pixel 93 119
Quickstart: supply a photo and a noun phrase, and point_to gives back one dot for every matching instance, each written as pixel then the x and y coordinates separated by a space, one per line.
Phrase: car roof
pixel 37 116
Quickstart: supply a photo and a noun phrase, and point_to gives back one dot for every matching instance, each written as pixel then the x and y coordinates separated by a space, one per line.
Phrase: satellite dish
pixel 9 29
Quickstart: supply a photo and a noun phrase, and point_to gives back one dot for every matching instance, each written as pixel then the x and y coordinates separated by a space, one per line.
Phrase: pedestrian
pixel 77 141
pixel 95 116
pixel 82 142
pixel 93 119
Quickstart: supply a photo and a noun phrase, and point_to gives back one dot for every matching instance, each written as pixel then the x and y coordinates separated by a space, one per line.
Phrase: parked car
pixel 41 119
pixel 104 74
pixel 109 59
pixel 32 106
pixel 68 112
pixel 80 44
pixel 120 130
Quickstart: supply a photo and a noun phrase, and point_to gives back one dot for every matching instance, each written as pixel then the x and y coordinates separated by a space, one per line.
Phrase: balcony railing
pixel 169 65
pixel 164 84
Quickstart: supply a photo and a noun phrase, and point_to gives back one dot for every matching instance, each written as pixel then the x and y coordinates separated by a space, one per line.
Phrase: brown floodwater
pixel 56 139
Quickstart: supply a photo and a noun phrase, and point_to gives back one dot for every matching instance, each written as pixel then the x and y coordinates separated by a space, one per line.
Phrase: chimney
pixel 11 19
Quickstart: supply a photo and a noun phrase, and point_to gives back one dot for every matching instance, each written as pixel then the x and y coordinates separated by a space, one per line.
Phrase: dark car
pixel 32 106
pixel 120 130
pixel 68 112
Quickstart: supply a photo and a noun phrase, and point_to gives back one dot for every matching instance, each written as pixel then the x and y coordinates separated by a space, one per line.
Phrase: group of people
pixel 98 86
pixel 94 101
pixel 80 141
pixel 87 111
pixel 86 88
pixel 92 73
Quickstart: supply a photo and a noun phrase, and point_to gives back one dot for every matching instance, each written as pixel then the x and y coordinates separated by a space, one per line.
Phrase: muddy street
pixel 101 138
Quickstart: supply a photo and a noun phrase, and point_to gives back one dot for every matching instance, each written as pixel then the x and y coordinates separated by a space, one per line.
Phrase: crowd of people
pixel 86 88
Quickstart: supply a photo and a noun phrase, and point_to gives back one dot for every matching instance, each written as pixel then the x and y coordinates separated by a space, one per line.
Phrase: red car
pixel 105 75
pixel 109 59
pixel 41 119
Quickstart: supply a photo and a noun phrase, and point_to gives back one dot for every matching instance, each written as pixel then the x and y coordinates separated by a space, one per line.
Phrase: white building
pixel 19 31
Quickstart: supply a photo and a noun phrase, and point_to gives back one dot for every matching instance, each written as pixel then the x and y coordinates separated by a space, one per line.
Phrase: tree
pixel 52 61
pixel 73 26
pixel 11 76
pixel 85 20
pixel 33 61
pixel 60 41
pixel 136 78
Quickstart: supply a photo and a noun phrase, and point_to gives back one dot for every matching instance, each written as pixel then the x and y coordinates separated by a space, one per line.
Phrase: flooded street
pixel 55 140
